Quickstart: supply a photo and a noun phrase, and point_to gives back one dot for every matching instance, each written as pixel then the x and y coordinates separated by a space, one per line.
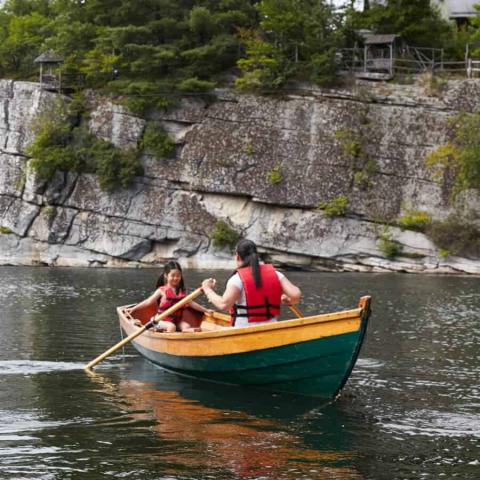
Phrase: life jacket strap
pixel 248 310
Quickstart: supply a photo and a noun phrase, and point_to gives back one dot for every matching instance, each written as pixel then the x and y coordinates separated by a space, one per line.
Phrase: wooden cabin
pixel 378 57
pixel 50 73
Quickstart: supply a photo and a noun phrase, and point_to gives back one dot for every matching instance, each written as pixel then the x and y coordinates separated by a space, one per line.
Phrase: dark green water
pixel 410 410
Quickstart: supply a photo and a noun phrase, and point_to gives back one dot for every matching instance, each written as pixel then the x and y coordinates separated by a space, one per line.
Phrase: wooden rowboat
pixel 311 356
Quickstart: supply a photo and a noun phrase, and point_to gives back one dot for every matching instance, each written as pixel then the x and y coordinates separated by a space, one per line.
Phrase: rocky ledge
pixel 263 165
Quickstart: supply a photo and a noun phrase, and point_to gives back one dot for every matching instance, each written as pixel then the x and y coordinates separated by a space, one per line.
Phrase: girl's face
pixel 173 278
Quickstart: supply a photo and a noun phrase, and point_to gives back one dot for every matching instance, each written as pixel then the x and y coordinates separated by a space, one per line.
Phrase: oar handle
pixel 166 313
pixel 296 311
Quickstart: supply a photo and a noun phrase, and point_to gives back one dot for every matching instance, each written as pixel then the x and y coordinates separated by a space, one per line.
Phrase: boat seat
pixel 207 326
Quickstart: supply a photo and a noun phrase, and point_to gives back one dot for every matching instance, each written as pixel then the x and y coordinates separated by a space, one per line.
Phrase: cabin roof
pixel 48 57
pixel 378 39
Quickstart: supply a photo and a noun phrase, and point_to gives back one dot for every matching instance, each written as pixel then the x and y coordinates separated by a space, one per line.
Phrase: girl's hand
pixel 208 312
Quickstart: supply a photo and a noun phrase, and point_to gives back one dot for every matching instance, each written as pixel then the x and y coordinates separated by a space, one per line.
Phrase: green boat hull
pixel 318 368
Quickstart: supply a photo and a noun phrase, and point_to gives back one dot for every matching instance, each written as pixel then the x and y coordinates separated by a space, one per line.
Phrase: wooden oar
pixel 166 313
pixel 295 310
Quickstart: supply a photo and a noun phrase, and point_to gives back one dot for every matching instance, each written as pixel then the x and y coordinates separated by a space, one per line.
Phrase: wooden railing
pixel 473 68
pixel 62 82
pixel 352 60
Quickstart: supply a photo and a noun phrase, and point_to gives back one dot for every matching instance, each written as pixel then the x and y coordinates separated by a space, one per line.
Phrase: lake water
pixel 410 410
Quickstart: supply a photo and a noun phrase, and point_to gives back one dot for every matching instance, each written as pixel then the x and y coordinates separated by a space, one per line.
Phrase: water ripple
pixel 30 367
pixel 437 424
pixel 16 423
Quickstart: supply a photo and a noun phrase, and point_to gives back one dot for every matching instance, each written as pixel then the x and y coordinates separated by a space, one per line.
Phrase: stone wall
pixel 226 151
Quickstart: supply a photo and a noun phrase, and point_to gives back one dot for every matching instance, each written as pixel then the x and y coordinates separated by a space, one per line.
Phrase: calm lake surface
pixel 410 410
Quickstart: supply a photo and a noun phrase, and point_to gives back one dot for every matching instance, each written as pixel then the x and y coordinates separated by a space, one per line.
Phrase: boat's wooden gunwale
pixel 230 341
pixel 229 331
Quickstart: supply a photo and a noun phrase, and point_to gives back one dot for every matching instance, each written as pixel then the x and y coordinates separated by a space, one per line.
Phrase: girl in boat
pixel 254 292
pixel 170 290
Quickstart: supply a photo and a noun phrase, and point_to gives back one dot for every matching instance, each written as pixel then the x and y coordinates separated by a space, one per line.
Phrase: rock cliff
pixel 262 164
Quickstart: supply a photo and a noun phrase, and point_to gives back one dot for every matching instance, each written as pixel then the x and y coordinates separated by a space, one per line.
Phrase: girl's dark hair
pixel 162 279
pixel 247 251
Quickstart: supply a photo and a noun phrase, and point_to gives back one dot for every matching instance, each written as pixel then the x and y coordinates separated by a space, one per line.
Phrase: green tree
pixel 202 23
pixel 296 39
pixel 472 31
pixel 263 66
pixel 284 21
pixel 119 43
pixel 22 38
pixel 145 51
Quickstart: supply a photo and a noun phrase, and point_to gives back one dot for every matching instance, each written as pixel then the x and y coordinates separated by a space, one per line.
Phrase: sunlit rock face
pixel 263 165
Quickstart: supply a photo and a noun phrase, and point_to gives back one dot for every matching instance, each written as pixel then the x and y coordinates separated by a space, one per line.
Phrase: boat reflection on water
pixel 247 434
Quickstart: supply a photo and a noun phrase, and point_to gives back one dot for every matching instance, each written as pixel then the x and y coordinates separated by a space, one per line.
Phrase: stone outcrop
pixel 262 164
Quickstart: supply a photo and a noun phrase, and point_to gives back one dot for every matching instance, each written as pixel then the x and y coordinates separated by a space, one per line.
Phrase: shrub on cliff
pixel 455 236
pixel 337 207
pixel 59 145
pixel 460 157
pixel 388 245
pixel 156 141
pixel 417 220
pixel 223 235
pixel 275 176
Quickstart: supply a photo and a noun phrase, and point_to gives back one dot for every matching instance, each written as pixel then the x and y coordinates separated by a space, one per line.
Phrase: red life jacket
pixel 262 303
pixel 169 299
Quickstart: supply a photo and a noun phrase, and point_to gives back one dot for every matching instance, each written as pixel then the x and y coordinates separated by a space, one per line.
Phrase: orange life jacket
pixel 262 303
pixel 169 299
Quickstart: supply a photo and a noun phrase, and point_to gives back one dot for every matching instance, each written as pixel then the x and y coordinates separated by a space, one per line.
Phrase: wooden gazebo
pixel 50 75
pixel 378 57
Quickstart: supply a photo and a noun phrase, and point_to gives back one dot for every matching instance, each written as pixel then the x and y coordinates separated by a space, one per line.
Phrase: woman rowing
pixel 254 292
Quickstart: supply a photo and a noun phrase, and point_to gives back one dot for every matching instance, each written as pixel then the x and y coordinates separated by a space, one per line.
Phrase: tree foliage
pixel 295 39
pixel 472 31
pixel 118 44
pixel 146 51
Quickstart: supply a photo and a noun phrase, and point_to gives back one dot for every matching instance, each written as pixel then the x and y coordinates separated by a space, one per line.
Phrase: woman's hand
pixel 209 284
pixel 222 302
pixel 285 299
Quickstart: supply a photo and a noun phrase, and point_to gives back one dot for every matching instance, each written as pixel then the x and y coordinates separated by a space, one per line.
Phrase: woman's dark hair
pixel 162 279
pixel 247 251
